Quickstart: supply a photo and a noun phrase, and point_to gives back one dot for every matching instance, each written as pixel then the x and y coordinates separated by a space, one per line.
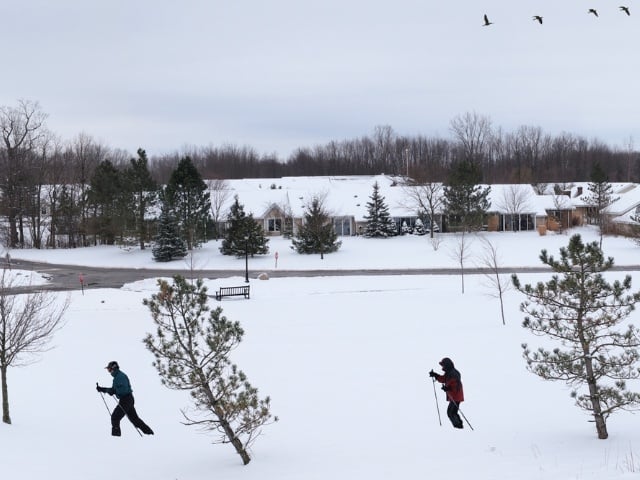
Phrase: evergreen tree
pixel 600 197
pixel 316 234
pixel 108 198
pixel 189 198
pixel 243 234
pixel 379 223
pixel 144 192
pixel 168 244
pixel 191 347
pixel 581 311
pixel 66 220
pixel 465 201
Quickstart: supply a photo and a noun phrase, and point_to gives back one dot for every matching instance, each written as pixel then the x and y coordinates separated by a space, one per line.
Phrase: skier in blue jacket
pixel 121 388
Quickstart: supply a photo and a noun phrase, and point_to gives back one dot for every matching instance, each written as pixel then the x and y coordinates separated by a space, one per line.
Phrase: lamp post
pixel 246 259
pixel 406 154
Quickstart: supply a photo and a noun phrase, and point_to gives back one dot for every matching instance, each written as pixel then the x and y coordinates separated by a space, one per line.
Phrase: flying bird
pixel 538 19
pixel 625 10
pixel 593 10
pixel 486 21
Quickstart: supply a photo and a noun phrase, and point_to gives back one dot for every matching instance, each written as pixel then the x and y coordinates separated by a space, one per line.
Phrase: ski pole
pixel 104 401
pixel 435 395
pixel 459 411
pixel 128 418
pixel 465 418
pixel 117 405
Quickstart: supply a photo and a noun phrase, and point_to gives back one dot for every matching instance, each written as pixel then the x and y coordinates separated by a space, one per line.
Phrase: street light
pixel 406 154
pixel 246 259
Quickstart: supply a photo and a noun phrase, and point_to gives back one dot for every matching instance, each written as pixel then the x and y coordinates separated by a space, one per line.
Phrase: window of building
pixel 274 224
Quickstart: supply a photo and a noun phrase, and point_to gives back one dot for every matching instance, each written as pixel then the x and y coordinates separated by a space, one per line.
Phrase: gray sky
pixel 280 74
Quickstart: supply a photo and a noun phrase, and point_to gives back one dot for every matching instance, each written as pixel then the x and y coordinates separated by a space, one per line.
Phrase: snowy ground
pixel 345 361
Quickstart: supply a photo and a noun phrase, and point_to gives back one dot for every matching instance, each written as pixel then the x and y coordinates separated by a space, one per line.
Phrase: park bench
pixel 232 292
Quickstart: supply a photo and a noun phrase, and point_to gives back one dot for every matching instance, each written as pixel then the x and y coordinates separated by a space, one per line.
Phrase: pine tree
pixel 168 244
pixel 316 234
pixel 189 197
pixel 379 222
pixel 144 192
pixel 243 234
pixel 191 347
pixel 465 201
pixel 600 197
pixel 581 311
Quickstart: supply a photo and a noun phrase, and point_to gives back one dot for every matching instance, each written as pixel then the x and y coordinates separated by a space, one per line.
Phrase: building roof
pixel 349 195
pixel 343 195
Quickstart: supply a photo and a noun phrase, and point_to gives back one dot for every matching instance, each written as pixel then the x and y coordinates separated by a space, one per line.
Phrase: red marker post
pixel 81 278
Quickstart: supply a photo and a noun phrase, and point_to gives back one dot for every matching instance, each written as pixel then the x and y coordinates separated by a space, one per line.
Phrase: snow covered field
pixel 345 361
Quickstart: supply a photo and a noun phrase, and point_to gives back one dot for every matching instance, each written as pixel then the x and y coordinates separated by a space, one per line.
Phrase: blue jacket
pixel 121 386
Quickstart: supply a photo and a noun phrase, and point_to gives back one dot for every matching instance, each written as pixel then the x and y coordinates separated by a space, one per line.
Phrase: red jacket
pixel 453 383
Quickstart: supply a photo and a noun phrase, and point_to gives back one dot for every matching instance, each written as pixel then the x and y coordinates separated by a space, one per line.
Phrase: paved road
pixel 66 277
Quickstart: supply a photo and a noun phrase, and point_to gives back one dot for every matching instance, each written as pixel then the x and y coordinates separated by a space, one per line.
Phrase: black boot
pixel 115 431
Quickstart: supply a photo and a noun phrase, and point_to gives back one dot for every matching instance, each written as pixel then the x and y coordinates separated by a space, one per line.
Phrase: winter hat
pixel 446 363
pixel 112 365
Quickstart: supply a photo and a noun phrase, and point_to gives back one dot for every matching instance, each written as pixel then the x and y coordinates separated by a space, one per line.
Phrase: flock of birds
pixel 538 18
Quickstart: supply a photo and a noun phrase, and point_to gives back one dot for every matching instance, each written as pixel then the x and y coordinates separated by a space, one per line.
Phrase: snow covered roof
pixel 516 197
pixel 343 195
pixel 348 195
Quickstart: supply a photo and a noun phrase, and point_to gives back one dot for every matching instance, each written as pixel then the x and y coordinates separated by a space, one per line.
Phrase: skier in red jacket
pixel 452 388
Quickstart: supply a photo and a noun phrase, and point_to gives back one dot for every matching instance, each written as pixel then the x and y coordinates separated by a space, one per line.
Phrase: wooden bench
pixel 232 292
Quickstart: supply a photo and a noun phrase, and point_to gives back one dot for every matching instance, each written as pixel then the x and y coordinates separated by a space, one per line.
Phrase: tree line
pixel 72 183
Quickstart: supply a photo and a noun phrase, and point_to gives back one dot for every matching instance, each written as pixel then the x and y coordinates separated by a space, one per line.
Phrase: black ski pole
pixel 129 418
pixel 435 395
pixel 104 401
pixel 460 411
pixel 118 405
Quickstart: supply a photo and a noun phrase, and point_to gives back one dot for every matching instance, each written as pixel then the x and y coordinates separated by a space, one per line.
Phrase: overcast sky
pixel 280 74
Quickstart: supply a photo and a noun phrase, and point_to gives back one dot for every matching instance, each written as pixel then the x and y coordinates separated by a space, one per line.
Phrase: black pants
pixel 452 413
pixel 125 407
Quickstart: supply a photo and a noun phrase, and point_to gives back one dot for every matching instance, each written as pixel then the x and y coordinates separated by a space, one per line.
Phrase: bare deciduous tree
pixel 219 194
pixel 473 132
pixel 27 325
pixel 562 203
pixel 460 252
pixel 516 200
pixel 22 131
pixel 497 284
pixel 428 198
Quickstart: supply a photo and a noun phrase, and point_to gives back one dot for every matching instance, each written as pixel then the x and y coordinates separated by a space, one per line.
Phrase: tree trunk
pixel 222 418
pixel 594 395
pixel 5 396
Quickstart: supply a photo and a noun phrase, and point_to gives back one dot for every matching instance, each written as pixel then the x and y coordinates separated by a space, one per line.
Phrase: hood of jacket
pixel 446 364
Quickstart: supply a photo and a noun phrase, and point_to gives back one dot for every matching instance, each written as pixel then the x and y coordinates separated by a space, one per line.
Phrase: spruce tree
pixel 192 346
pixel 243 234
pixel 465 201
pixel 168 244
pixel 189 197
pixel 580 311
pixel 316 234
pixel 379 222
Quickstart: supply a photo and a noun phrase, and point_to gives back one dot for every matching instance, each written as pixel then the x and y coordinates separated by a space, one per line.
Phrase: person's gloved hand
pixel 445 388
pixel 101 389
pixel 433 374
